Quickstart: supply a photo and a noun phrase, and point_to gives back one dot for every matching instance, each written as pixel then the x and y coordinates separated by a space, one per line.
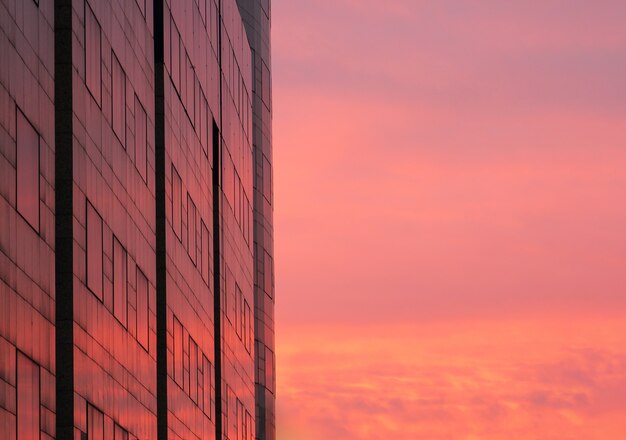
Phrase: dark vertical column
pixel 217 296
pixel 161 310
pixel 64 218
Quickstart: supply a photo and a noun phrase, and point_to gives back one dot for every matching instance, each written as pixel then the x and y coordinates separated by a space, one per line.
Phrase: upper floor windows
pixel 93 55
pixel 27 171
pixel 177 206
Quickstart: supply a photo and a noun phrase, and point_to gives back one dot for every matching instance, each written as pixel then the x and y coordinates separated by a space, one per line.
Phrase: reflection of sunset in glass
pixel 451 240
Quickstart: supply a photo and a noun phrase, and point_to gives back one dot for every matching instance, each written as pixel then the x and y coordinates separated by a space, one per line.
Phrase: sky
pixel 450 239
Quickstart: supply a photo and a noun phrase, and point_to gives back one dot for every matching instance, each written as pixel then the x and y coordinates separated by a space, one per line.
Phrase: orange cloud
pixel 543 378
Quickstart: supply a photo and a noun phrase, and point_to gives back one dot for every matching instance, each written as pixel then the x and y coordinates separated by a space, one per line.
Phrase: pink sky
pixel 450 219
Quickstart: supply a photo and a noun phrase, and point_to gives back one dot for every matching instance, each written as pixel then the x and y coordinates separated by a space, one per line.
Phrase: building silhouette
pixel 136 237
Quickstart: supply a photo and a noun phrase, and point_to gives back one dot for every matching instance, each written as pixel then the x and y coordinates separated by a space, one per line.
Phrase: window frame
pixel 18 112
pixel 98 99
pixel 100 296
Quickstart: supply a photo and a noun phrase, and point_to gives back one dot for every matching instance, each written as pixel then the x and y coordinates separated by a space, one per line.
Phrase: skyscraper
pixel 136 267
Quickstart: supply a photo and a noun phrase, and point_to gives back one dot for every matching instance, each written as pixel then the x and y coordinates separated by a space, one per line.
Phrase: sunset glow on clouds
pixel 450 219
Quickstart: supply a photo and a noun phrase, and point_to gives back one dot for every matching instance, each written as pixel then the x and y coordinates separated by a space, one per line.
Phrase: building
pixel 136 256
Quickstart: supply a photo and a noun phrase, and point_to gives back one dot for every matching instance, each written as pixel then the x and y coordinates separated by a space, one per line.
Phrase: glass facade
pixel 130 254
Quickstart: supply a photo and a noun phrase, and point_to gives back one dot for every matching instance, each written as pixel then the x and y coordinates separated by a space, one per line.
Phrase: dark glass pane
pixel 120 282
pixel 141 141
pixel 177 203
pixel 118 100
pixel 93 55
pixel 94 251
pixel 142 309
pixel 27 171
pixel 95 424
pixel 27 398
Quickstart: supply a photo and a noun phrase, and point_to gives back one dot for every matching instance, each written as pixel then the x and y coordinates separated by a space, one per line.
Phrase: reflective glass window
pixel 207 377
pixel 247 333
pixel 204 253
pixel 95 423
pixel 120 282
pixel 176 203
pixel 193 370
pixel 238 310
pixel 27 171
pixel 118 99
pixel 120 433
pixel 93 54
pixel 27 398
pixel 267 179
pixel 143 328
pixel 94 251
pixel 178 352
pixel 141 140
pixel 175 54
pixel 192 247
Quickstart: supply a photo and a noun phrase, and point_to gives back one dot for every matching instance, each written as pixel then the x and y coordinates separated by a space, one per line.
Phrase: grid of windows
pixel 193 372
pixel 27 171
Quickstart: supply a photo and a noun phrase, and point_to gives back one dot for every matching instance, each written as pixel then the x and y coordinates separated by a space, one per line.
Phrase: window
pixel 120 282
pixel 247 330
pixel 193 370
pixel 141 141
pixel 207 377
pixel 120 433
pixel 177 206
pixel 267 179
pixel 27 398
pixel 204 252
pixel 178 352
pixel 267 273
pixel 175 54
pixel 269 369
pixel 27 171
pixel 95 423
pixel 118 99
pixel 192 248
pixel 93 55
pixel 142 7
pixel 94 251
pixel 266 86
pixel 238 311
pixel 143 327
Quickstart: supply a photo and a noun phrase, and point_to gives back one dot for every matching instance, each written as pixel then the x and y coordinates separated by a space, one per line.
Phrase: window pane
pixel 118 100
pixel 193 370
pixel 192 248
pixel 178 352
pixel 176 203
pixel 27 171
pixel 94 251
pixel 142 309
pixel 175 45
pixel 27 398
pixel 120 433
pixel 206 376
pixel 205 252
pixel 120 282
pixel 141 142
pixel 95 424
pixel 93 54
